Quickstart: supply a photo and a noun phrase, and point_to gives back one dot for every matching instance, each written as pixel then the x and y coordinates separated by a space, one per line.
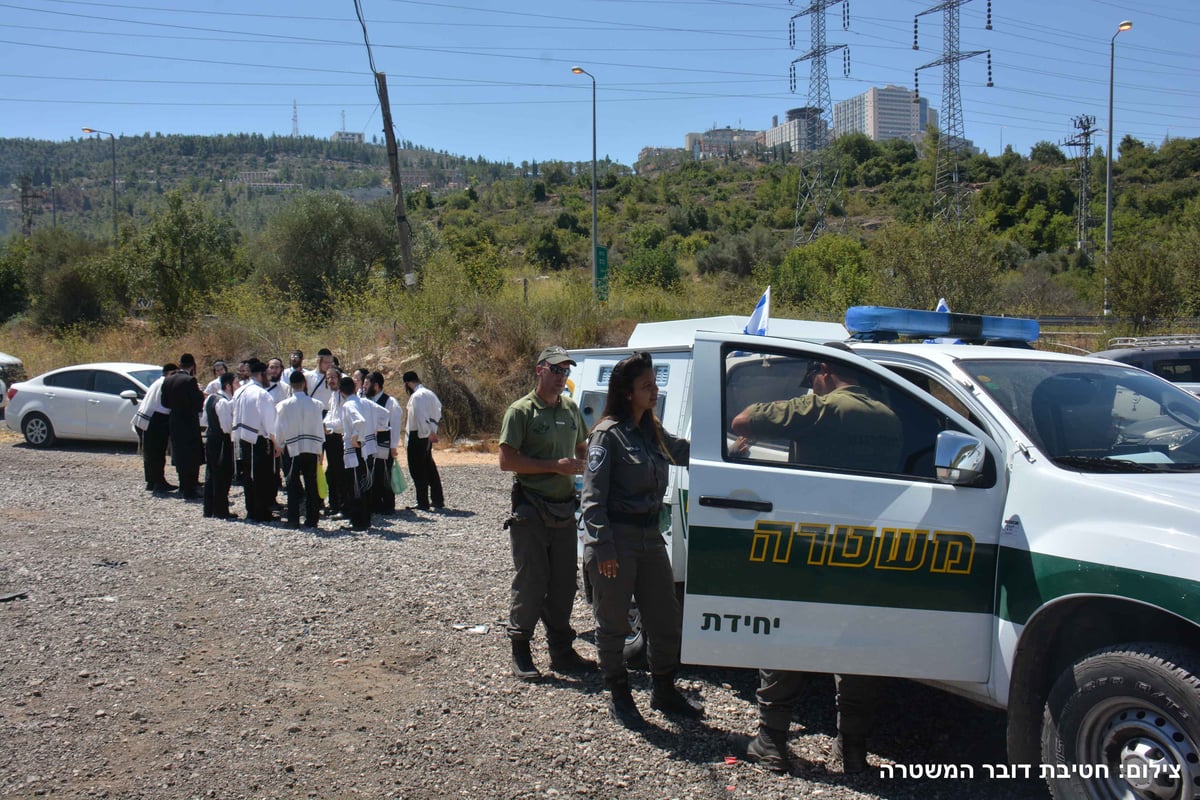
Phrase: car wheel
pixel 1124 722
pixel 635 640
pixel 38 430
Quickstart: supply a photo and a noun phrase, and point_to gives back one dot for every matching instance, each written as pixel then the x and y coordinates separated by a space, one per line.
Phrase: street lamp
pixel 1108 178
pixel 595 244
pixel 113 139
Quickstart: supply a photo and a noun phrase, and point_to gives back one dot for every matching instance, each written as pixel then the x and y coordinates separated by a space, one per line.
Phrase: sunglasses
pixel 813 369
pixel 558 370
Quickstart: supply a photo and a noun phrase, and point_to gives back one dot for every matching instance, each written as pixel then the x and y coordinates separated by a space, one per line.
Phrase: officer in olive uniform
pixel 542 439
pixel 839 425
pixel 624 552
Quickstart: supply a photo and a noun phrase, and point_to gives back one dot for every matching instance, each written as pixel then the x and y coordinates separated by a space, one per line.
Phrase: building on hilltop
pixel 799 132
pixel 891 112
pixel 653 159
pixel 347 137
pixel 723 142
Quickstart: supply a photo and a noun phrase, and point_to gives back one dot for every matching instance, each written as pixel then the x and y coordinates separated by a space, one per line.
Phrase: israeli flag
pixel 757 326
pixel 943 306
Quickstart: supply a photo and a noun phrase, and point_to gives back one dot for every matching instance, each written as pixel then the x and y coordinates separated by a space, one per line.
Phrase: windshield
pixel 1094 417
pixel 146 376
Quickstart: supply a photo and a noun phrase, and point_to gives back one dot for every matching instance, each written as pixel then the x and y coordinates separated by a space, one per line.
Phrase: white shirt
pixel 317 388
pixel 353 424
pixel 391 419
pixel 375 417
pixel 224 409
pixel 424 412
pixel 214 387
pixel 253 413
pixel 278 392
pixel 151 404
pixel 333 413
pixel 298 425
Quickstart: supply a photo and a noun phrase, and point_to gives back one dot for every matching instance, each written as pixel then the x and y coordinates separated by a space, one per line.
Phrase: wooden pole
pixel 403 229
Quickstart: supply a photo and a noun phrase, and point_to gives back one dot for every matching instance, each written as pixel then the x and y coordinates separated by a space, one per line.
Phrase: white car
pixel 88 401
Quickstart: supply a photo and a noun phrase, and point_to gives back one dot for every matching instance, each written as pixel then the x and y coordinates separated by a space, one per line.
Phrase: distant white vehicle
pixel 88 401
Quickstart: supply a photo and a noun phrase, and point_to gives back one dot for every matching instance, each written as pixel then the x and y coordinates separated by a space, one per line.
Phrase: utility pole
pixel 949 194
pixel 400 210
pixel 1085 124
pixel 818 177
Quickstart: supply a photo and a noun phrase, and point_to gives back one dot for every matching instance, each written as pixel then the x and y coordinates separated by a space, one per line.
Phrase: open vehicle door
pixel 799 560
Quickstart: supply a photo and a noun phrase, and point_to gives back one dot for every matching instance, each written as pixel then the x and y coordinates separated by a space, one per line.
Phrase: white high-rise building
pixel 799 132
pixel 887 113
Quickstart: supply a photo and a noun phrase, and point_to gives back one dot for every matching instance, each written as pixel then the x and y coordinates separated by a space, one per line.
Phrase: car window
pixel 70 379
pixel 1177 370
pixel 146 376
pixel 112 383
pixel 865 424
pixel 1096 418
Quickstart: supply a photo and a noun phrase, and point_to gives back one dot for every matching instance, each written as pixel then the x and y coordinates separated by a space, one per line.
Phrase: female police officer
pixel 624 552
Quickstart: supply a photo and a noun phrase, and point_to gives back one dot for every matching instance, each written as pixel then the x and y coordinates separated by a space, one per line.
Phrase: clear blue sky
pixel 483 77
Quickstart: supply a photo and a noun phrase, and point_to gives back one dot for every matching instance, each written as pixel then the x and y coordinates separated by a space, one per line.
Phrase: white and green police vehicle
pixel 1036 548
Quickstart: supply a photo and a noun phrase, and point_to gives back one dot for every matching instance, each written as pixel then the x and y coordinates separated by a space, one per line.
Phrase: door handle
pixel 731 502
pixel 94 402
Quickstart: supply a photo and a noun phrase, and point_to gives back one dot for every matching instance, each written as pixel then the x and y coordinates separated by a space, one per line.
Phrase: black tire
pixel 1133 709
pixel 635 642
pixel 37 430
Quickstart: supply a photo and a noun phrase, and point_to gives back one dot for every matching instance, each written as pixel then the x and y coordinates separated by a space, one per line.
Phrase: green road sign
pixel 601 272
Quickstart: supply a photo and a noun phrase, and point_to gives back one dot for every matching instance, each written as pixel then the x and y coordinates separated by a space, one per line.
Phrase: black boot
pixel 852 752
pixel 621 705
pixel 522 662
pixel 667 699
pixel 565 659
pixel 769 750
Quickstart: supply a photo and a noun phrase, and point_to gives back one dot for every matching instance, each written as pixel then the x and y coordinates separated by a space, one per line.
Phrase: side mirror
pixel 958 458
pixel 130 395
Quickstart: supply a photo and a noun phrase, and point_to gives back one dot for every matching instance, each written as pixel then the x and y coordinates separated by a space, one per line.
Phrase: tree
pixel 1047 153
pixel 322 244
pixel 182 258
pixel 828 274
pixel 917 264
pixel 1143 285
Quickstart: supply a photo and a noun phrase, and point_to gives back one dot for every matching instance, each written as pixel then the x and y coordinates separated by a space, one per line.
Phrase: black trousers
pixel 355 503
pixel 258 478
pixel 857 696
pixel 218 477
pixel 334 470
pixel 187 450
pixel 383 499
pixel 425 478
pixel 154 449
pixel 302 482
pixel 643 573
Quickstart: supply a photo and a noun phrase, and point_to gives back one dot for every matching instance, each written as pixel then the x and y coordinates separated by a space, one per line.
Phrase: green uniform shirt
pixel 538 430
pixel 845 429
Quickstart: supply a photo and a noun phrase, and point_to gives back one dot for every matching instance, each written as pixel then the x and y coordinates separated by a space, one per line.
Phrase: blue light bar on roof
pixel 881 322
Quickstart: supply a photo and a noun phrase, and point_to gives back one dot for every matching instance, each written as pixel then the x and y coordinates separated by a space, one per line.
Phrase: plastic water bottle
pixel 578 484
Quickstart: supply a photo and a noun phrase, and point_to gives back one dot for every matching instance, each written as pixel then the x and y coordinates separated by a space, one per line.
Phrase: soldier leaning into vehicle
pixel 542 440
pixel 838 425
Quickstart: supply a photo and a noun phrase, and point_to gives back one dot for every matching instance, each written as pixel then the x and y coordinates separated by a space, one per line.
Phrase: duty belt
pixel 646 519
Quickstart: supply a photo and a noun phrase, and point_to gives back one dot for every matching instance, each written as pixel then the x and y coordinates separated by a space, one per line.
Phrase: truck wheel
pixel 1124 722
pixel 38 430
pixel 635 642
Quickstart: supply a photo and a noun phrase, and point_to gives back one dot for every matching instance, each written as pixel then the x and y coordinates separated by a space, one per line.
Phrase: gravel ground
pixel 159 654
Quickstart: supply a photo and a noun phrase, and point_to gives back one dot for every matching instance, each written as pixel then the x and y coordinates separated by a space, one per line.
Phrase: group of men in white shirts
pixel 276 423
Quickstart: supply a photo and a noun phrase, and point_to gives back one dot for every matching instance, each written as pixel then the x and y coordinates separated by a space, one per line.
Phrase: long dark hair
pixel 619 404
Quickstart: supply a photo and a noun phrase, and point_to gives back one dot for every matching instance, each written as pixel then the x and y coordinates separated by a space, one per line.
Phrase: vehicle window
pixel 146 376
pixel 1097 417
pixel 1178 370
pixel 825 415
pixel 70 379
pixel 938 390
pixel 112 383
pixel 591 406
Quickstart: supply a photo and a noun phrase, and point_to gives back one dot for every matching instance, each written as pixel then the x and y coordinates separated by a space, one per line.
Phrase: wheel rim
pixel 36 431
pixel 1148 753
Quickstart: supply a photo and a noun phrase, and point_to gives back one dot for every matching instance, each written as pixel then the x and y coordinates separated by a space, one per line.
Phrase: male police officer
pixel 543 440
pixel 838 425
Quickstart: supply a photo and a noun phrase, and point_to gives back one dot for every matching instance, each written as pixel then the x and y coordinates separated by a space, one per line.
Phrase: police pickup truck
pixel 1036 547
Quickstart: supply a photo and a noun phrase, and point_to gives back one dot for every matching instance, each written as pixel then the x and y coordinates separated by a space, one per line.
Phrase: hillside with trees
pixel 213 230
